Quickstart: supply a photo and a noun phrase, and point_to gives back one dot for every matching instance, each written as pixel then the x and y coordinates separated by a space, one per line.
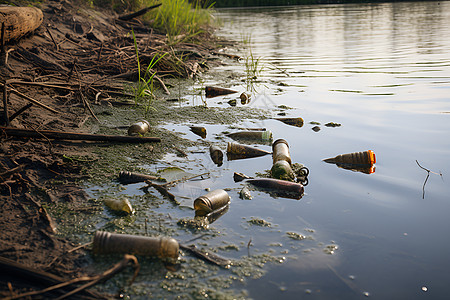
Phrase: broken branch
pixel 60 135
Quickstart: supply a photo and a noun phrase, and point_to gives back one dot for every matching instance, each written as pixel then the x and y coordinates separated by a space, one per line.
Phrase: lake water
pixel 382 71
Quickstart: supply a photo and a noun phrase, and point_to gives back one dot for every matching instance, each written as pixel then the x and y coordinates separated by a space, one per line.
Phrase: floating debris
pixel 139 128
pixel 259 222
pixel 316 128
pixel 355 158
pixel 239 177
pixel 232 102
pixel 216 155
pixel 210 202
pixel 297 122
pixel 238 151
pixel 212 91
pixel 258 135
pixel 277 187
pixel 126 177
pixel 282 170
pixel 245 98
pixel 198 130
pixel 114 243
pixel 332 124
pixel 280 151
pixel 119 205
pixel 295 235
pixel 245 194
pixel 357 161
pixel 330 249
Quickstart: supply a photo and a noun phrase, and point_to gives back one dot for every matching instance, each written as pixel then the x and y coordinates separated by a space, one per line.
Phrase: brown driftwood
pixel 130 16
pixel 60 135
pixel 19 21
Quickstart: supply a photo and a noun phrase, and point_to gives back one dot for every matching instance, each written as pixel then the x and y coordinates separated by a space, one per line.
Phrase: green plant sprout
pixel 145 81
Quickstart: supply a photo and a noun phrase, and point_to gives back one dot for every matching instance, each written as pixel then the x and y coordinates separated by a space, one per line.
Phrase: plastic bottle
pixel 112 243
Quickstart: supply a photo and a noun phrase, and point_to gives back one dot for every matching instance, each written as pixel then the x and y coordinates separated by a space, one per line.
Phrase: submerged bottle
pixel 210 202
pixel 112 243
pixel 139 128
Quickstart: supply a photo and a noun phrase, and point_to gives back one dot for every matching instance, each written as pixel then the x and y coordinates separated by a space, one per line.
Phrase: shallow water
pixel 382 71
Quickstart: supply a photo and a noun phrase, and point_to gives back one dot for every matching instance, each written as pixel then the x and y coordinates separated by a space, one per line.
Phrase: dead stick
pixel 60 135
pixel 32 100
pixel 108 274
pixel 138 13
pixel 86 103
pixel 100 52
pixel 162 84
pixel 44 84
pixel 2 46
pixel 5 105
pixel 17 113
pixel 53 40
pixel 12 171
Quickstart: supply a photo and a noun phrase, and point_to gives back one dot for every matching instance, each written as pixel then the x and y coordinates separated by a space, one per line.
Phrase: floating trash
pixel 126 177
pixel 119 205
pixel 280 151
pixel 216 155
pixel 355 158
pixel 297 122
pixel 245 194
pixel 200 131
pixel 139 128
pixel 114 243
pixel 277 187
pixel 282 170
pixel 245 98
pixel 238 151
pixel 239 177
pixel 357 161
pixel 210 202
pixel 316 128
pixel 212 91
pixel 257 135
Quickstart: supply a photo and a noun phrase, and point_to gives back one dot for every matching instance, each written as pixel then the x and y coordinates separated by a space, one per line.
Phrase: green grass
pixel 144 88
pixel 181 20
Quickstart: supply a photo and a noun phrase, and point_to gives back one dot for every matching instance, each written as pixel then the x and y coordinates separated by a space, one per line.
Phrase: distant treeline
pixel 247 3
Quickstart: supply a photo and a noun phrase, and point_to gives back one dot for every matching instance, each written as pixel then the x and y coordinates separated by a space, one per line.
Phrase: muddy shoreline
pixel 86 70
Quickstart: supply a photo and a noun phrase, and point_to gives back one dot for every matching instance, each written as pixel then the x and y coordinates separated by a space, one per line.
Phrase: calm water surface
pixel 381 71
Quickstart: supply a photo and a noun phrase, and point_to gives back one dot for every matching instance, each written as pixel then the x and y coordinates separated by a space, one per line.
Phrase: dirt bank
pixel 78 61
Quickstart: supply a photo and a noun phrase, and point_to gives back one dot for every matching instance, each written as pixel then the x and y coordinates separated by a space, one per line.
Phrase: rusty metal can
pixel 113 243
pixel 280 151
pixel 139 128
pixel 210 202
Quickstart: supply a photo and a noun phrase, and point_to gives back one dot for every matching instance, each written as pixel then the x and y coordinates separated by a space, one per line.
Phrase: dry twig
pixel 426 179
